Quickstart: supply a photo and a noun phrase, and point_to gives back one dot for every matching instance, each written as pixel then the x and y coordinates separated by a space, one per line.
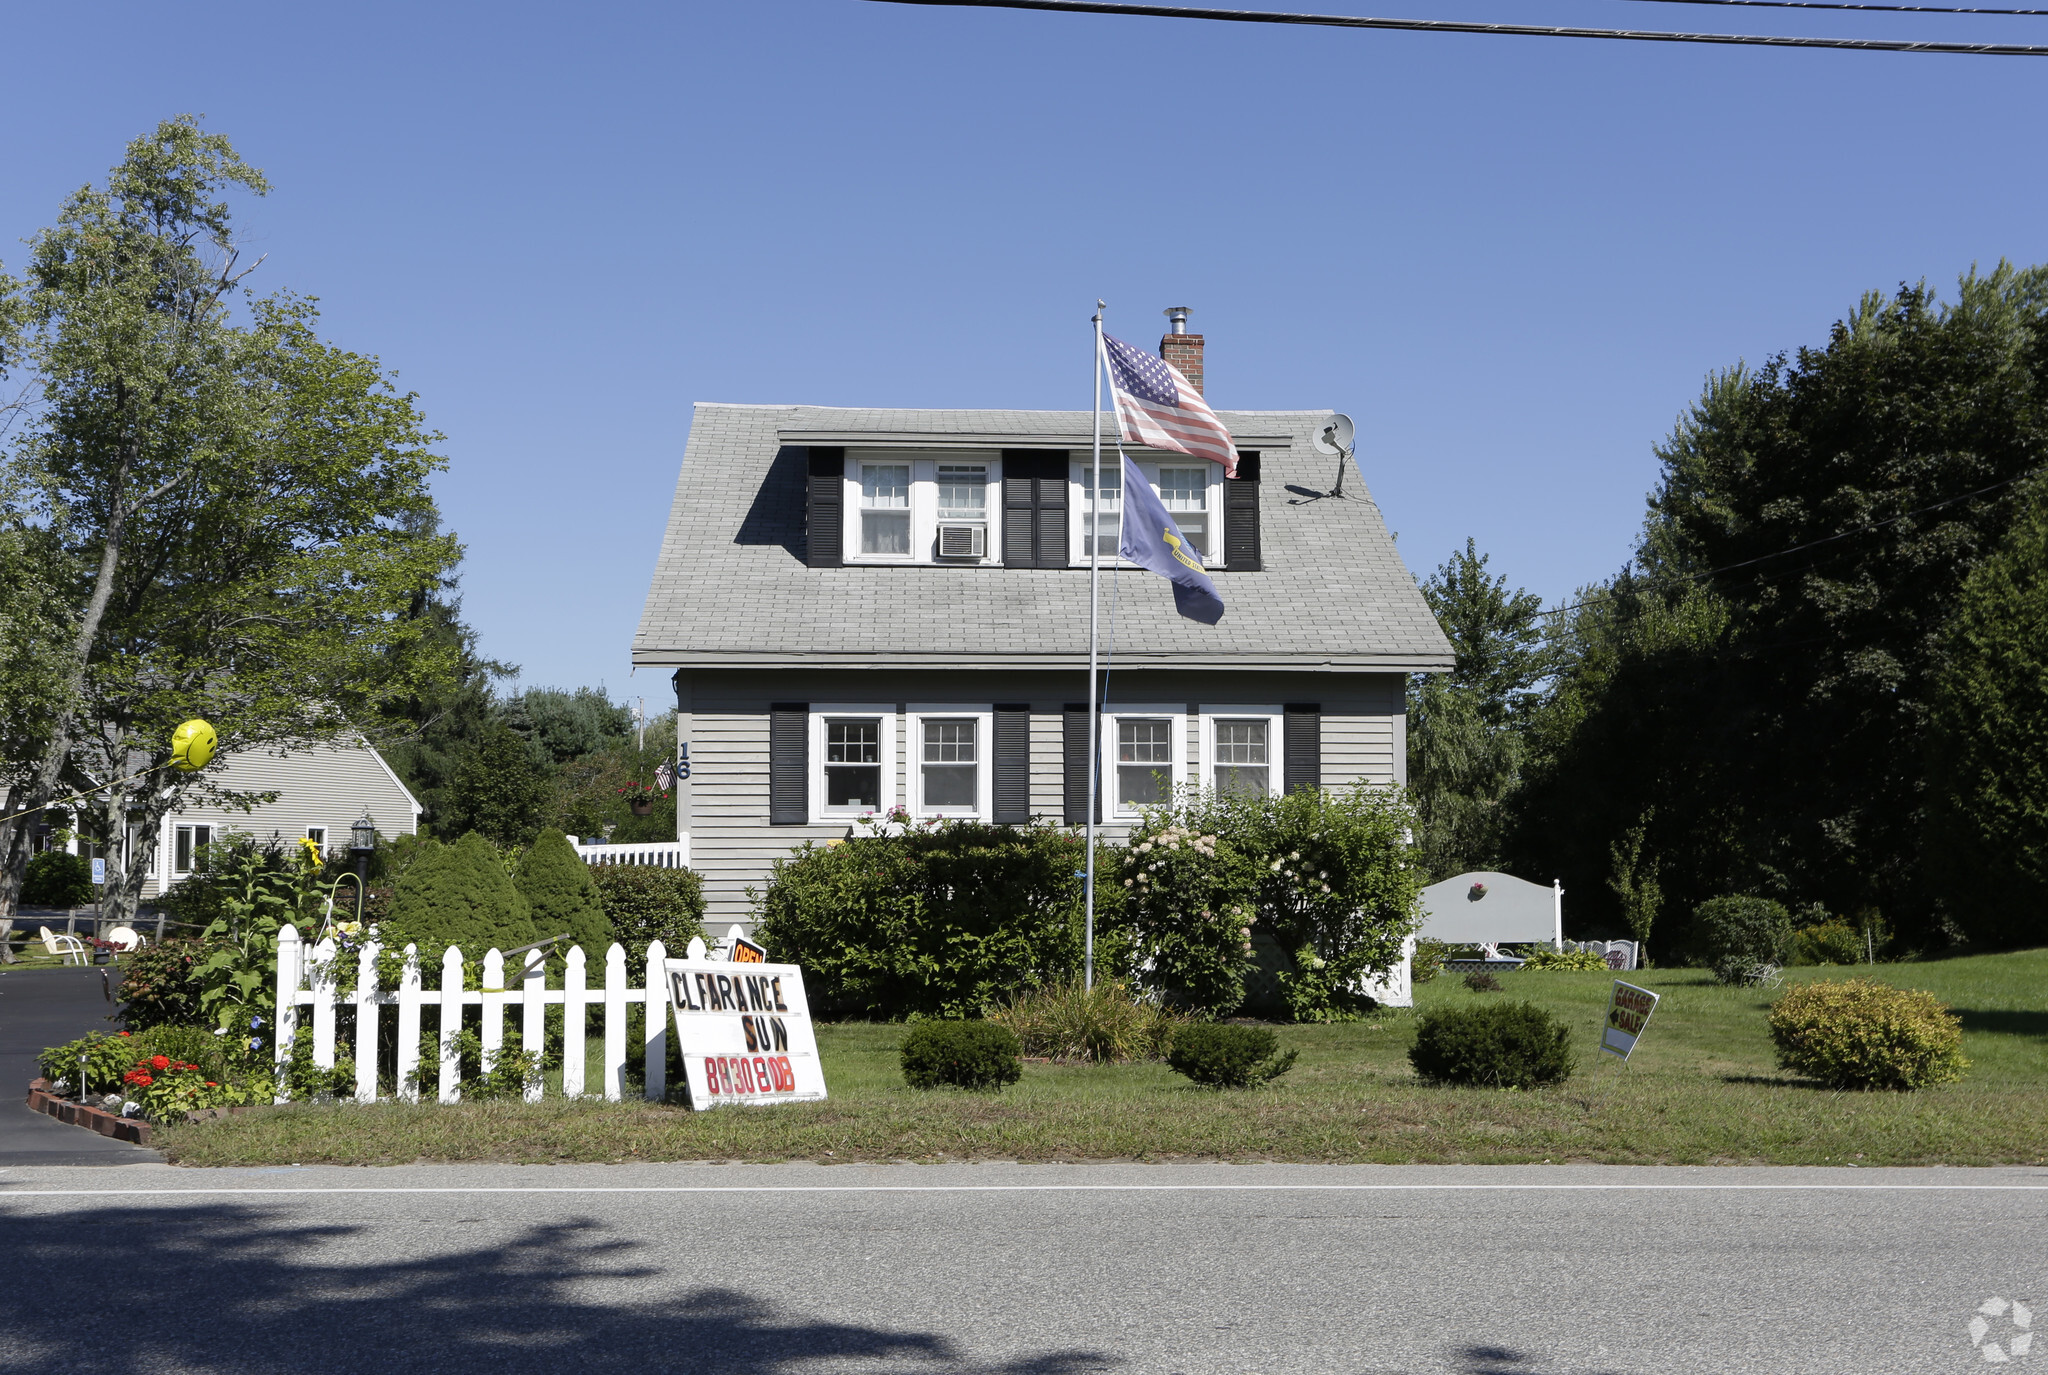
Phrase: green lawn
pixel 1702 1089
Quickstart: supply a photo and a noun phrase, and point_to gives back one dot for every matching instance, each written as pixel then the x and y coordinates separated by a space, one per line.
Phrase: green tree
pixel 499 788
pixel 458 895
pixel 1465 727
pixel 1988 745
pixel 229 507
pixel 562 898
pixel 1634 883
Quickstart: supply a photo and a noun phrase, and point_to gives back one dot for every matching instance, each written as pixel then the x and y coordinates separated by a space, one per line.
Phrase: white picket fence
pixel 661 854
pixel 307 978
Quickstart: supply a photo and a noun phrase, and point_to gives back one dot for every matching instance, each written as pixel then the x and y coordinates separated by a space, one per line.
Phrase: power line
pixel 1654 584
pixel 1343 21
pixel 1846 5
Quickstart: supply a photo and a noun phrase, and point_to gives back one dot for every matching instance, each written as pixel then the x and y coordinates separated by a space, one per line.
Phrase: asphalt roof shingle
pixel 731 589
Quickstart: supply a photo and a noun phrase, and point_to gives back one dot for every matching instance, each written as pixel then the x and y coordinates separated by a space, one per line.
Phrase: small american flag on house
pixel 1159 409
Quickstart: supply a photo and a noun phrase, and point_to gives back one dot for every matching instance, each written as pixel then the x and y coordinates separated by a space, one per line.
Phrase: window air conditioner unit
pixel 963 541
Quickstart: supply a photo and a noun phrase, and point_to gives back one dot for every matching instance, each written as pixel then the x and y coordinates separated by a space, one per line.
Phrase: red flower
pixel 210 1084
pixel 138 1078
pixel 160 1061
pixel 127 1033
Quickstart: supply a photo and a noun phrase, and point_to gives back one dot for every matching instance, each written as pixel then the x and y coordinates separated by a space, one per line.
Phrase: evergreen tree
pixel 561 896
pixel 458 895
pixel 499 788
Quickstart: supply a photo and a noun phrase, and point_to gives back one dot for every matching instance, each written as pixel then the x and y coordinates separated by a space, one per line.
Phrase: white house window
pixel 949 760
pixel 190 842
pixel 1241 748
pixel 1192 495
pixel 1143 748
pixel 318 835
pixel 885 509
pixel 853 764
pixel 1185 491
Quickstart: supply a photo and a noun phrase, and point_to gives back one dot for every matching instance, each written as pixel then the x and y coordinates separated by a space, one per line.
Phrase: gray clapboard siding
pixel 329 785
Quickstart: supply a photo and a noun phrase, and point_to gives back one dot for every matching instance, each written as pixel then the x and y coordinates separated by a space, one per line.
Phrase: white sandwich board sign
pixel 745 1032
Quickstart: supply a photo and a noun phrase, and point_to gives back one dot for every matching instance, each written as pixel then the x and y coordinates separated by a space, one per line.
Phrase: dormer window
pixel 920 508
pixel 1191 492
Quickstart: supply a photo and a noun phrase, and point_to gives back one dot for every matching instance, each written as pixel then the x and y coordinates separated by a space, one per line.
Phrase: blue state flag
pixel 1153 542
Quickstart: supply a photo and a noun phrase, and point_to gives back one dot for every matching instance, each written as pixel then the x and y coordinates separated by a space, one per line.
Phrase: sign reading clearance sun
pixel 745 1032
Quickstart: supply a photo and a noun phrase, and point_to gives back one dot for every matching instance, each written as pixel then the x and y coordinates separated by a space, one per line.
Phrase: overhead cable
pixel 1345 21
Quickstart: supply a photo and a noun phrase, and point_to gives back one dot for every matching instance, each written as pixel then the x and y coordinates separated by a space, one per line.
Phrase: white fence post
pixel 409 1027
pixel 323 1004
pixel 573 1007
pixel 286 1017
pixel 533 1025
pixel 656 1023
pixel 494 1007
pixel 615 1023
pixel 366 1024
pixel 451 1024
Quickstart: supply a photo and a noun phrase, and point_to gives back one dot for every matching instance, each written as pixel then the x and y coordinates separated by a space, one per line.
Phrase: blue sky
pixel 1512 260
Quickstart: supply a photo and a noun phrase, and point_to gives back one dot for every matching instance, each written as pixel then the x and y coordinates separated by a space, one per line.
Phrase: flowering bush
pixel 106 1054
pixel 165 1088
pixel 1864 1035
pixel 1188 895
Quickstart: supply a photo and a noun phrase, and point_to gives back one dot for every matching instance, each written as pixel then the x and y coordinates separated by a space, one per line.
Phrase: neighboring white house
pixel 321 791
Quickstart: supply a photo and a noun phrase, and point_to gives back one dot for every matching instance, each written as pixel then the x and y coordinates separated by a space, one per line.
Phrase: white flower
pixel 1127 883
pixel 1322 873
pixel 1295 855
pixel 1276 866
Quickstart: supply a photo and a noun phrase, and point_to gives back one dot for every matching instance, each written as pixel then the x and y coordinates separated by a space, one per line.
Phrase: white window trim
pixel 984 716
pixel 924 507
pixel 821 710
pixel 1177 769
pixel 1275 718
pixel 322 841
pixel 195 827
pixel 1149 464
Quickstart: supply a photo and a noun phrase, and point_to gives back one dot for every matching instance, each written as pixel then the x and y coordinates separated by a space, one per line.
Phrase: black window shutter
pixel 825 531
pixel 1304 758
pixel 1013 763
pixel 1034 508
pixel 1241 516
pixel 1076 749
pixel 1020 509
pixel 789 762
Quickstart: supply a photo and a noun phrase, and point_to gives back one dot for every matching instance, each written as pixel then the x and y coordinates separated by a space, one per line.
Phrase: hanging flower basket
pixel 1478 892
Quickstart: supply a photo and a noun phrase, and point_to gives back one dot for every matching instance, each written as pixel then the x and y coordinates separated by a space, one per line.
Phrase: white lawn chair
pixel 67 946
pixel 127 938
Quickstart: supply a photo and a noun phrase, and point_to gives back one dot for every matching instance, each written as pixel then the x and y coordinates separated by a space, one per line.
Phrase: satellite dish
pixel 1335 435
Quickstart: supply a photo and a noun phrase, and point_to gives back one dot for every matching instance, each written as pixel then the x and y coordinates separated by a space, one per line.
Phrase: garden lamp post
pixel 362 843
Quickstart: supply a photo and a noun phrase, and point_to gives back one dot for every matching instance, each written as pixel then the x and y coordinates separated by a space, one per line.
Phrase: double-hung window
pixel 950 750
pixel 1241 748
pixel 1142 751
pixel 1191 493
pixel 318 835
pixel 885 510
pixel 853 763
pixel 190 851
pixel 962 490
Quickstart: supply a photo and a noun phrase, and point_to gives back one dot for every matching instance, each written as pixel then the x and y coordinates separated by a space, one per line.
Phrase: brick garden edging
pixel 41 1099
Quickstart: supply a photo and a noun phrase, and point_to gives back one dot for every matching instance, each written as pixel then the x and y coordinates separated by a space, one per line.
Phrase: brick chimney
pixel 1180 348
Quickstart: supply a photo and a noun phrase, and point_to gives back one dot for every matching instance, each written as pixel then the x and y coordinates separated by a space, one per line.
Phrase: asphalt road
pixel 1027 1270
pixel 47 1007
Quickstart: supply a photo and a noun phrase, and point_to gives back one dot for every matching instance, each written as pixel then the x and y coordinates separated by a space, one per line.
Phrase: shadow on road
pixel 142 1289
pixel 1497 1360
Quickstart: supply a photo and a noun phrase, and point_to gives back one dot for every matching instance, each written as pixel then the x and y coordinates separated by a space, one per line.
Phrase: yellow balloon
pixel 192 745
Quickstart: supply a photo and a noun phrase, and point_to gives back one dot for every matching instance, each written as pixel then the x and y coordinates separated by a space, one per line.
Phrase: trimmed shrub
pixel 1830 942
pixel 1574 961
pixel 1427 962
pixel 1104 1024
pixel 1226 1056
pixel 160 986
pixel 561 897
pixel 968 1055
pixel 55 879
pixel 646 903
pixel 1495 1045
pixel 458 895
pixel 1479 981
pixel 1864 1035
pixel 1736 934
pixel 941 921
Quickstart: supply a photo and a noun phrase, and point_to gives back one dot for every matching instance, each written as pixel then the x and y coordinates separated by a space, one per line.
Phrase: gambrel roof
pixel 731 588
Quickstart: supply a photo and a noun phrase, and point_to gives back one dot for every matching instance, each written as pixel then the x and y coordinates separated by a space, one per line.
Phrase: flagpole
pixel 1094 717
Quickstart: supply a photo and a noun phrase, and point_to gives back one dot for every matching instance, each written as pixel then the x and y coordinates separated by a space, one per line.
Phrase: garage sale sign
pixel 745 1032
pixel 1628 1012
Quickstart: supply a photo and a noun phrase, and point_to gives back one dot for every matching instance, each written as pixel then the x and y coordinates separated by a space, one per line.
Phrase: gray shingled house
pixel 865 609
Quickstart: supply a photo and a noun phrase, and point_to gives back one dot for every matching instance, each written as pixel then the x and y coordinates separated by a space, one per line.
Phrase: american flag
pixel 1159 409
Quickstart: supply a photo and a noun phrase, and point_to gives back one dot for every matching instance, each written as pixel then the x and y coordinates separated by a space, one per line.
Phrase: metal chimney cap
pixel 1179 316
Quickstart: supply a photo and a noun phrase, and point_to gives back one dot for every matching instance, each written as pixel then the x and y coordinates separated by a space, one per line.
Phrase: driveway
pixel 47 1007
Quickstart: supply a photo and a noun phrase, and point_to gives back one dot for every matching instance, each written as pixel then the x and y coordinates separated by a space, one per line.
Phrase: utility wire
pixel 1343 21
pixel 1653 584
pixel 1845 5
